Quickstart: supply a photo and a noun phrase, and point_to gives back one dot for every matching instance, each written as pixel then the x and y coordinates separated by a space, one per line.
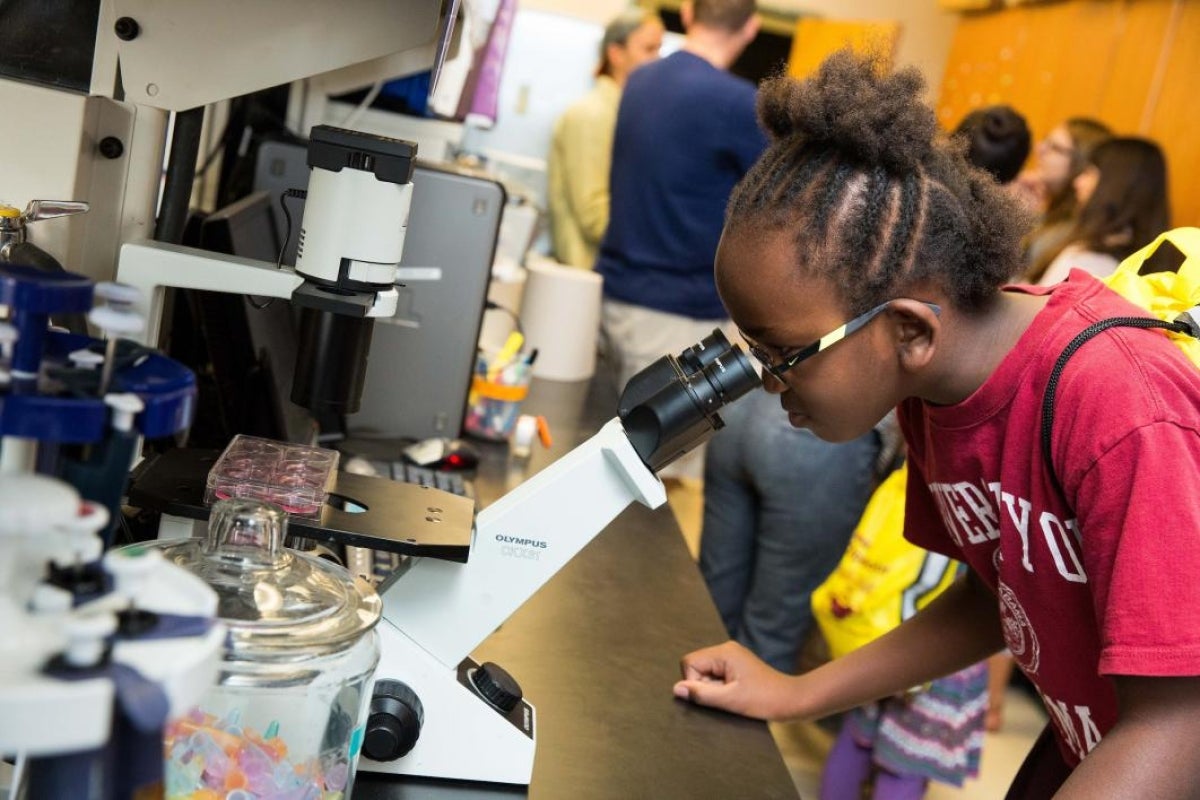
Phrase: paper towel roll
pixel 561 318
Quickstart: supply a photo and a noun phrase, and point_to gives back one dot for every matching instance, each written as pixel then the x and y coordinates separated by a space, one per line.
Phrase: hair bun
pixel 853 105
pixel 1002 122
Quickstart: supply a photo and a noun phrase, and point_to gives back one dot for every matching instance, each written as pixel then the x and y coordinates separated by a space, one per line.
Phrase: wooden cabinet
pixel 1130 63
pixel 816 39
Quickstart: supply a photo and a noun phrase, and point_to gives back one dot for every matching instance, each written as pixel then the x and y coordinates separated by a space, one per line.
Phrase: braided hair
pixel 879 201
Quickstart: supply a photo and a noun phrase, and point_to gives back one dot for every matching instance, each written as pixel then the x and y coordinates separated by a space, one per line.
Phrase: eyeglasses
pixel 1056 147
pixel 825 342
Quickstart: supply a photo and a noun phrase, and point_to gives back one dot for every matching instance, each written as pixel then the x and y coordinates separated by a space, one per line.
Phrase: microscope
pixel 437 712
pixel 99 648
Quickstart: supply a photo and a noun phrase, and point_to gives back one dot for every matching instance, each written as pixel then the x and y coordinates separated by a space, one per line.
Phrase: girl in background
pixel 897 745
pixel 1122 197
pixel 1047 189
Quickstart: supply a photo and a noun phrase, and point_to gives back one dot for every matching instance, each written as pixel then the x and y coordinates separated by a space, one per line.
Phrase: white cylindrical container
pixel 561 317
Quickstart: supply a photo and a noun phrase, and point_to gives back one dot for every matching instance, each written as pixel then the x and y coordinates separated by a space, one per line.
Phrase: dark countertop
pixel 597 650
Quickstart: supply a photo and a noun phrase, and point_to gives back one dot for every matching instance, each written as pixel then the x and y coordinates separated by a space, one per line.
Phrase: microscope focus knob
pixel 496 686
pixel 394 721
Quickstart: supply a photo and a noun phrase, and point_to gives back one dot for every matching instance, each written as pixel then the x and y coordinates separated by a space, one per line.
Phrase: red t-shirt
pixel 1112 587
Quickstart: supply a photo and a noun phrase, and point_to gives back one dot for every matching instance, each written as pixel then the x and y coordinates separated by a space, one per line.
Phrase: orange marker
pixel 543 429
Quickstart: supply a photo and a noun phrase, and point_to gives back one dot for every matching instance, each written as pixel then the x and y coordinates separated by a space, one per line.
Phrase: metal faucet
pixel 13 221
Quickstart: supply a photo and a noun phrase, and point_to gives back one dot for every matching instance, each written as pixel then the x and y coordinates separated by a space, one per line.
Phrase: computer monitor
pixel 242 348
pixel 244 228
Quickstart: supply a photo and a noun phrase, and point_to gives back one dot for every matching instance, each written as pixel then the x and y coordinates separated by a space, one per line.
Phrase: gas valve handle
pixel 48 209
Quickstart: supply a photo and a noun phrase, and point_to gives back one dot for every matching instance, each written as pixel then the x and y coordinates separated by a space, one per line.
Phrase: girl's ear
pixel 916 330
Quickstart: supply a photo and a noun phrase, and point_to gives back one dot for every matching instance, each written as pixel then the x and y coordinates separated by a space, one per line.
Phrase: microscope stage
pixel 397 517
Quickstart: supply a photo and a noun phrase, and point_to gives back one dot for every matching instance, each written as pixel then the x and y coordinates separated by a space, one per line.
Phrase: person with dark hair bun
pixel 866 264
pixel 997 140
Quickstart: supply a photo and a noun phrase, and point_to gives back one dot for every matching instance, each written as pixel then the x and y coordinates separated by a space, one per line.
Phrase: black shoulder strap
pixel 1182 325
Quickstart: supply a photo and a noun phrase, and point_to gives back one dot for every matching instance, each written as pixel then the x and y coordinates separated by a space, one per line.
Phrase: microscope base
pixel 463 736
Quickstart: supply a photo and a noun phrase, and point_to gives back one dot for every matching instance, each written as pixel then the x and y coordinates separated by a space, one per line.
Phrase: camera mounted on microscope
pixel 350 243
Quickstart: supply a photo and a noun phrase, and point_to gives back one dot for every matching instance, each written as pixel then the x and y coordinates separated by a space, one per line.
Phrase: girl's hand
pixel 731 678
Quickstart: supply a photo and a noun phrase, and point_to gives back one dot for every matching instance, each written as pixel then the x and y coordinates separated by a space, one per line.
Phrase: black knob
pixel 79 579
pixel 394 722
pixel 127 29
pixel 135 622
pixel 111 147
pixel 496 686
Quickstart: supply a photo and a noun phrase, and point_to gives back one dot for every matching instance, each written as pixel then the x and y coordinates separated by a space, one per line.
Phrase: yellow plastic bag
pixel 1166 295
pixel 1171 298
pixel 882 578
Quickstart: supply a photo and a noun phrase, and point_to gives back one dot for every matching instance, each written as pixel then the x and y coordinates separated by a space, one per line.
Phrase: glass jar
pixel 285 718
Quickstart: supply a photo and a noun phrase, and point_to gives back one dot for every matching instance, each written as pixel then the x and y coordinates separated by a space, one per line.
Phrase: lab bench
pixel 597 650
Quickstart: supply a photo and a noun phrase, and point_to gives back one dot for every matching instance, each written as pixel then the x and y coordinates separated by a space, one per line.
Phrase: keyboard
pixel 452 482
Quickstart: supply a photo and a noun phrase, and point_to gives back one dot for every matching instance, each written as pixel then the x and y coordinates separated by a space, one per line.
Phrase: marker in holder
pixel 494 402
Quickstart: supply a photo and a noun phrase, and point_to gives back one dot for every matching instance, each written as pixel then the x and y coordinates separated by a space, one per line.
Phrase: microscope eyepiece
pixel 724 379
pixel 670 407
pixel 705 352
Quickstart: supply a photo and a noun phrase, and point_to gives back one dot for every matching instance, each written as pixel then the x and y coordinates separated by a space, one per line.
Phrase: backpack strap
pixel 1185 324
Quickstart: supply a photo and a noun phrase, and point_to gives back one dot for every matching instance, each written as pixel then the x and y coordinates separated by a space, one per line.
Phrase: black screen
pixel 245 228
pixel 242 348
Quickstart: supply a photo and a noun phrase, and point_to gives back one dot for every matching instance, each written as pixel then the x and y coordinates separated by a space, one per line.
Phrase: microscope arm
pixel 520 542
pixel 152 266
pixel 335 324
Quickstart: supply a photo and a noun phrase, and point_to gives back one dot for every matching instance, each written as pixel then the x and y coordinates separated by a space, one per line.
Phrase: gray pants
pixel 780 506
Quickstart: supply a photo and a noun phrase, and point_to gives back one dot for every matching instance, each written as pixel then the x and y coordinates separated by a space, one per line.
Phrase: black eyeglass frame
pixel 824 343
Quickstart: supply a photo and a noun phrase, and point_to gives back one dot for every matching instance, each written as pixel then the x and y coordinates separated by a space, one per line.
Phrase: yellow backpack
pixel 882 579
pixel 1171 297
